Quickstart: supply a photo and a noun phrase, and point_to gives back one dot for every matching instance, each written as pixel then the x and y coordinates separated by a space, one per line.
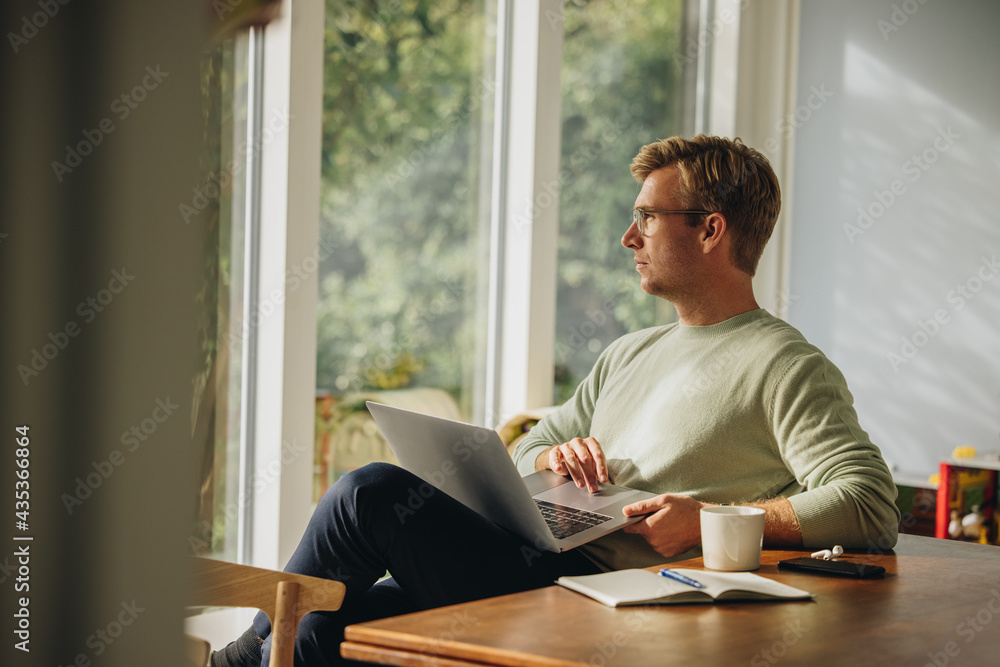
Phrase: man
pixel 729 405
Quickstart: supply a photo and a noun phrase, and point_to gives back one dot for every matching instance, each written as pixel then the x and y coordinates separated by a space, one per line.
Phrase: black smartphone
pixel 843 568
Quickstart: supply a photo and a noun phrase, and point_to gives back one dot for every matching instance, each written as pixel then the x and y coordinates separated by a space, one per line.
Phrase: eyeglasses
pixel 639 216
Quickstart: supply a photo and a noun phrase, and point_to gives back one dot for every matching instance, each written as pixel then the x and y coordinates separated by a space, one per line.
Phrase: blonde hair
pixel 719 174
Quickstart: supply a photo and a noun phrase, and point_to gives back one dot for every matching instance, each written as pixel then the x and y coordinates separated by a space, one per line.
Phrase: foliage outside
pixel 620 90
pixel 407 130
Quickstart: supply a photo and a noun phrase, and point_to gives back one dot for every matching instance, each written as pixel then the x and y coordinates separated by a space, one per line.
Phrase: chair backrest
pixel 283 596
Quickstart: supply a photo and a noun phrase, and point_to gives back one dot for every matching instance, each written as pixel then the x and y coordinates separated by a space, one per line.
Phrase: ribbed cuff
pixel 244 652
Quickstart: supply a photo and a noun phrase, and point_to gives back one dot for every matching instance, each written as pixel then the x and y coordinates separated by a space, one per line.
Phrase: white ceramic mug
pixel 732 537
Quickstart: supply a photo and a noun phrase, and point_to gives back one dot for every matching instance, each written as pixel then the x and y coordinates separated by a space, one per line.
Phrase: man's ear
pixel 713 229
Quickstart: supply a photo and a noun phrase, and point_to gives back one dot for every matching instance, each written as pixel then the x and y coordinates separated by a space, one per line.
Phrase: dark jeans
pixel 439 552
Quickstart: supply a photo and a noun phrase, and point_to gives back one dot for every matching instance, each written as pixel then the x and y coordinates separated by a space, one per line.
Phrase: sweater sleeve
pixel 849 496
pixel 571 420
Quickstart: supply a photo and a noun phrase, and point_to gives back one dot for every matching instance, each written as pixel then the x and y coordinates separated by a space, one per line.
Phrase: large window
pixel 404 229
pixel 407 130
pixel 442 283
pixel 218 210
pixel 621 88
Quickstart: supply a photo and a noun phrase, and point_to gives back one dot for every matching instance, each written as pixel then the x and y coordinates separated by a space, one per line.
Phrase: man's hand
pixel 580 458
pixel 674 525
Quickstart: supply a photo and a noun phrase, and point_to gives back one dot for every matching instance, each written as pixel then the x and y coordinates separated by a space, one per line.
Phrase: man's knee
pixel 374 475
pixel 374 481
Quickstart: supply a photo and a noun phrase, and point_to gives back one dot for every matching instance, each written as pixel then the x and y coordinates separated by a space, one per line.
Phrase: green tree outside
pixel 407 95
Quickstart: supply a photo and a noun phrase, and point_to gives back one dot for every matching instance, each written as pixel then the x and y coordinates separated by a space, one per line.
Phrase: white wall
pixel 905 96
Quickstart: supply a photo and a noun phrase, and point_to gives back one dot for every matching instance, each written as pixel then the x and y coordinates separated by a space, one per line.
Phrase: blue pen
pixel 670 574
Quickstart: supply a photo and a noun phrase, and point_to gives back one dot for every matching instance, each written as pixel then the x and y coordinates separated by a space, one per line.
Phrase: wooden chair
pixel 284 597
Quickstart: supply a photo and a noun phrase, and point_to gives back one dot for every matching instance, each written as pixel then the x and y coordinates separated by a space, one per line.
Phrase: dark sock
pixel 244 652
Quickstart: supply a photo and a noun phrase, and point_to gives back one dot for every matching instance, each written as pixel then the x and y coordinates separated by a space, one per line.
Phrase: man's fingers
pixel 579 473
pixel 600 463
pixel 634 508
pixel 579 457
pixel 647 525
pixel 639 527
pixel 672 524
pixel 556 461
pixel 644 506
pixel 582 459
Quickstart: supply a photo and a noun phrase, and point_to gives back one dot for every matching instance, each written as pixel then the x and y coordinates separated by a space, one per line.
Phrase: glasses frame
pixel 639 213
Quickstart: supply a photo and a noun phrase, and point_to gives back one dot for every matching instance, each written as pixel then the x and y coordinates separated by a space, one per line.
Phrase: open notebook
pixel 643 587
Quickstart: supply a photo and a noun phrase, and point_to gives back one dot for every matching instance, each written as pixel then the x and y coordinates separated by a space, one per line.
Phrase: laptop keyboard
pixel 566 521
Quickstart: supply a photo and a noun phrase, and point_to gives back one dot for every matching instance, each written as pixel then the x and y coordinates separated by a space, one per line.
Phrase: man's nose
pixel 632 237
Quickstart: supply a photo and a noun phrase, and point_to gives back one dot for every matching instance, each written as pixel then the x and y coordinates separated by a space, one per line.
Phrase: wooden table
pixel 939 604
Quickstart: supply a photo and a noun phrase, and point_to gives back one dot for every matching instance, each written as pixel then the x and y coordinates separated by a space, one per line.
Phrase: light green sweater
pixel 734 412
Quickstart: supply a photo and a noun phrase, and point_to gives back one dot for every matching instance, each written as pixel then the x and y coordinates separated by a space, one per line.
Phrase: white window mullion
pixel 531 208
pixel 251 282
pixel 765 98
pixel 275 498
pixel 720 31
pixel 746 87
pixel 285 316
pixel 490 405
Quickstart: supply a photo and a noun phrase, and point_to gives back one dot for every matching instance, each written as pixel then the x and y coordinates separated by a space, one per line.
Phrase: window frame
pixel 524 349
pixel 524 219
pixel 285 347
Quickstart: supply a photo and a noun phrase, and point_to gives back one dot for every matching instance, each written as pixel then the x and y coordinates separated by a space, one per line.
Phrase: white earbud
pixel 827 554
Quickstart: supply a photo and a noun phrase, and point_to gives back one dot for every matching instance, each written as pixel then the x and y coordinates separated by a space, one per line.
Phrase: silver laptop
pixel 471 464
